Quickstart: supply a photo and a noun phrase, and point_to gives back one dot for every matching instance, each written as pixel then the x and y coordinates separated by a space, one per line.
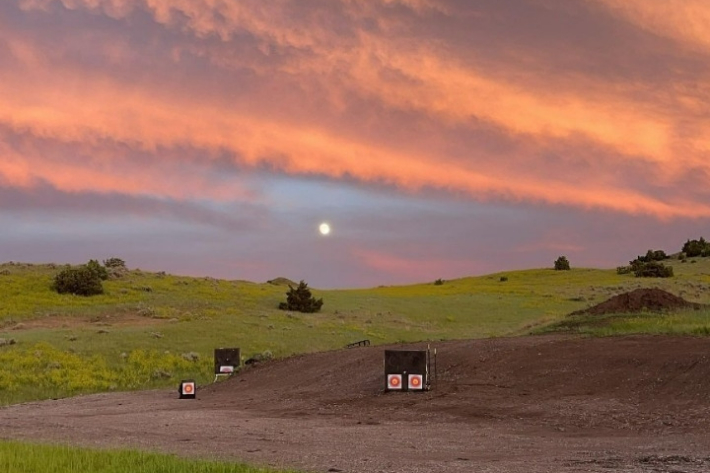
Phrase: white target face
pixel 394 381
pixel 416 381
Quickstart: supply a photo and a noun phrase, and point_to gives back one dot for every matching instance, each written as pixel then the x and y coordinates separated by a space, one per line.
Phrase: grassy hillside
pixel 153 329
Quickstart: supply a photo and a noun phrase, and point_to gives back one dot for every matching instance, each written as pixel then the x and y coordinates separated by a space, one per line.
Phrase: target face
pixel 394 381
pixel 226 369
pixel 416 381
pixel 188 388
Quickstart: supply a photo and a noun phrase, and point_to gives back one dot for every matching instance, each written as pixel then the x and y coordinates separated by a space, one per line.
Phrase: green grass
pixel 151 329
pixel 32 458
pixel 686 322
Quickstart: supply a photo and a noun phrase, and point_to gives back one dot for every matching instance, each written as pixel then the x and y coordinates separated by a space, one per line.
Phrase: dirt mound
pixel 655 300
pixel 503 378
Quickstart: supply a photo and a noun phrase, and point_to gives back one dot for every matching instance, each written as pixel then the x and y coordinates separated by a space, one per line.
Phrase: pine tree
pixel 300 299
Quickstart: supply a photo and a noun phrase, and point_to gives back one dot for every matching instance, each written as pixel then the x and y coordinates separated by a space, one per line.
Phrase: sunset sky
pixel 439 139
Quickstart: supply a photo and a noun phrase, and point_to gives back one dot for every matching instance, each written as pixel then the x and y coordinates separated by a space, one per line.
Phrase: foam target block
pixel 187 389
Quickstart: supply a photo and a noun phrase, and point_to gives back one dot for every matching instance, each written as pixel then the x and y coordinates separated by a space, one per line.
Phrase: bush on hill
pixel 653 255
pixel 299 299
pixel 623 269
pixel 115 267
pixel 652 269
pixel 562 264
pixel 114 263
pixel 699 247
pixel 97 269
pixel 640 267
pixel 81 281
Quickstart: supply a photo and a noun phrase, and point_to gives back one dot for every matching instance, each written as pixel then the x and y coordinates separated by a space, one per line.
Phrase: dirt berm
pixel 532 404
pixel 639 300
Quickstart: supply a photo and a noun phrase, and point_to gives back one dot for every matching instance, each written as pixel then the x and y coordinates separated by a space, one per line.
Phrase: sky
pixel 439 139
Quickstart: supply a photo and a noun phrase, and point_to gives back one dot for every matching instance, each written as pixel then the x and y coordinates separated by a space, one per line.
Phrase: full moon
pixel 324 229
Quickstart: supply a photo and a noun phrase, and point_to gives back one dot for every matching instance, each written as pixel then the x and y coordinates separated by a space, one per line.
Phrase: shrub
pixel 653 255
pixel 623 269
pixel 659 255
pixel 695 247
pixel 114 263
pixel 562 264
pixel 300 299
pixel 653 269
pixel 97 269
pixel 116 267
pixel 439 282
pixel 260 357
pixel 81 281
pixel 503 278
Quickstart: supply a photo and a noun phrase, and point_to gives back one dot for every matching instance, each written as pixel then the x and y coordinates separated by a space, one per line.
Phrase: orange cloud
pixel 27 170
pixel 685 21
pixel 438 84
pixel 85 105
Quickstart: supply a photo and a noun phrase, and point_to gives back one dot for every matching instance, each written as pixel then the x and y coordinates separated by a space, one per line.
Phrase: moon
pixel 324 228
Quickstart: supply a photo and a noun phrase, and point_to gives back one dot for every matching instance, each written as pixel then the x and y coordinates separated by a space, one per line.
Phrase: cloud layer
pixel 590 106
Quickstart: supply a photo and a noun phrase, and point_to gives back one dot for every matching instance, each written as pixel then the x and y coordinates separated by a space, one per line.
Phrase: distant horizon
pixel 435 139
pixel 296 280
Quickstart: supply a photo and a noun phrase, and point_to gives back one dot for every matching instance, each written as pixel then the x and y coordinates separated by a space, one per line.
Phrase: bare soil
pixel 648 299
pixel 532 404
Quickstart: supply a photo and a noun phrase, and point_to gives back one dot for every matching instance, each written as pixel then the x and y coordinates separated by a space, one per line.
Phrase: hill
pixel 150 329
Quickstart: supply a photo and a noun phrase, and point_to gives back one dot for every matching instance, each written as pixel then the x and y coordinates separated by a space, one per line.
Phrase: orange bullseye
pixel 394 381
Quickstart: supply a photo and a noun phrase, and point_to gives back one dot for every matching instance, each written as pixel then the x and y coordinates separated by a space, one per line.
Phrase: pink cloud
pixel 415 268
pixel 319 74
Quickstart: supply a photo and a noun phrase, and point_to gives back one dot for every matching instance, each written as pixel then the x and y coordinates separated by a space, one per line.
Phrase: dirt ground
pixel 532 404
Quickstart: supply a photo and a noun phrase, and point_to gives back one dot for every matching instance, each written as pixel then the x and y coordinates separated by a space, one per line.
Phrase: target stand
pixel 226 361
pixel 408 370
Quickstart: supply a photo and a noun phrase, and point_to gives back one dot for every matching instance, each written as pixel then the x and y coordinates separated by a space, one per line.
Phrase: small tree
pixel 562 264
pixel 97 269
pixel 81 281
pixel 299 299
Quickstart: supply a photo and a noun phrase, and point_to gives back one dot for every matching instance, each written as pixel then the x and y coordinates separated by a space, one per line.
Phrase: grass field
pixel 28 458
pixel 692 322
